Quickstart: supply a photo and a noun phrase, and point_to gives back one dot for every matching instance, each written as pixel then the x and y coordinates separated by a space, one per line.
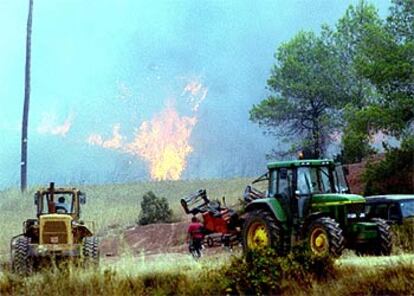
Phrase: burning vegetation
pixel 164 141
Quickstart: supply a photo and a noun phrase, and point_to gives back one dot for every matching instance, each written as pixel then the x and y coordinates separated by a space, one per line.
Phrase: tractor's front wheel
pixel 383 245
pixel 262 230
pixel 90 251
pixel 325 238
pixel 22 262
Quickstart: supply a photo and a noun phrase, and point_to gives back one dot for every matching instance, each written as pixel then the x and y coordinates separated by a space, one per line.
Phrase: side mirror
pixel 82 198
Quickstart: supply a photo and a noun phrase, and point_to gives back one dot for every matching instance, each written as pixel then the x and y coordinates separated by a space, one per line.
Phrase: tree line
pixel 344 85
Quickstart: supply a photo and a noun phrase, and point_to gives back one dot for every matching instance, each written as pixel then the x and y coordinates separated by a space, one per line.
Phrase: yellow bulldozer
pixel 57 232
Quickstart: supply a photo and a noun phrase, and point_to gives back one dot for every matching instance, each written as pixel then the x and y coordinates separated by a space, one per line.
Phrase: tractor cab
pixel 59 201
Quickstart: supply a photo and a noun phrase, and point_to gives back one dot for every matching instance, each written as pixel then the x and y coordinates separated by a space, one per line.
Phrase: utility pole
pixel 23 163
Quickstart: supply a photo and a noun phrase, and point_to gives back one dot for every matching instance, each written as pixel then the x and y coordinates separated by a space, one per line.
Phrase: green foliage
pixel 355 140
pixel 400 21
pixel 394 174
pixel 313 79
pixel 345 40
pixel 403 236
pixel 176 274
pixel 263 273
pixel 384 57
pixel 305 93
pixel 154 210
pixel 356 147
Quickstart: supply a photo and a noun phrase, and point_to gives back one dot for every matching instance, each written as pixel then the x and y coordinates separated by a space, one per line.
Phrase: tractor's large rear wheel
pixel 262 230
pixel 22 262
pixel 90 251
pixel 325 238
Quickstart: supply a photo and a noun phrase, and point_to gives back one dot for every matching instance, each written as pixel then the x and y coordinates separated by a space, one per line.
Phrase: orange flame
pixel 163 141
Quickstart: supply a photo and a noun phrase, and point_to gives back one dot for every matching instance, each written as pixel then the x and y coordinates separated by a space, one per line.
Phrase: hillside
pixel 113 207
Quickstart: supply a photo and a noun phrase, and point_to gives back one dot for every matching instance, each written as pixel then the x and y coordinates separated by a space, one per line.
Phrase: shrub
pixel 394 174
pixel 154 210
pixel 262 272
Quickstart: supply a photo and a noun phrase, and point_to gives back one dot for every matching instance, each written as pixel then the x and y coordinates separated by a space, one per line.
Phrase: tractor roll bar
pixel 195 200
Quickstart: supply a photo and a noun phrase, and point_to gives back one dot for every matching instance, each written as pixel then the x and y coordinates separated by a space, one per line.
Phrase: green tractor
pixel 309 201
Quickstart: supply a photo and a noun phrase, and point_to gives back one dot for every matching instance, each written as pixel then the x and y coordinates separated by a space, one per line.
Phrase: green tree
pixel 346 39
pixel 154 209
pixel 305 95
pixel 386 59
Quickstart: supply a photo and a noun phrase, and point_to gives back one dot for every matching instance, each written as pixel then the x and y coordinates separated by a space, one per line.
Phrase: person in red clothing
pixel 195 237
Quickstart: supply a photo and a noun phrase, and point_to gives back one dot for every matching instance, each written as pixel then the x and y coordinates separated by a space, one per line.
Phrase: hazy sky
pixel 98 63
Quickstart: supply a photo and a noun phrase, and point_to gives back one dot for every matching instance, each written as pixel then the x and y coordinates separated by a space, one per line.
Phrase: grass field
pixel 179 274
pixel 110 205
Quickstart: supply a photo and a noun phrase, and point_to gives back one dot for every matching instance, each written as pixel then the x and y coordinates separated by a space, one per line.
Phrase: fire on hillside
pixel 164 141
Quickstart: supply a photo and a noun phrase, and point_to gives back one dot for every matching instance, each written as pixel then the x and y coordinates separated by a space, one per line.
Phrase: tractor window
pixel 303 181
pixel 380 211
pixel 341 185
pixel 407 208
pixel 313 180
pixel 273 183
pixel 393 212
pixel 62 203
pixel 285 183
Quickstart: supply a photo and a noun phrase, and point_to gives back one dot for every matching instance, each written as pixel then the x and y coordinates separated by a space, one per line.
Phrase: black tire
pixel 383 245
pixel 325 238
pixel 268 224
pixel 90 251
pixel 22 262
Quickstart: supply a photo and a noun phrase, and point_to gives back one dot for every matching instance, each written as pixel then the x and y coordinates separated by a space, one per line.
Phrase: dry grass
pixel 178 274
pixel 173 274
pixel 112 205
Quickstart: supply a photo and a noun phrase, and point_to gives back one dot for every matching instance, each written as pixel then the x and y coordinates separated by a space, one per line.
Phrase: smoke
pixel 132 67
pixel 49 125
pixel 113 143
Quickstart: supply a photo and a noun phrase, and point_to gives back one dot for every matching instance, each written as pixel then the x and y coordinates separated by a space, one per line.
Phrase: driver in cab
pixel 61 206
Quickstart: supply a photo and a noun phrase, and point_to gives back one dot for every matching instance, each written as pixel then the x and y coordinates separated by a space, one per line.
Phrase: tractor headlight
pixel 351 216
pixel 362 215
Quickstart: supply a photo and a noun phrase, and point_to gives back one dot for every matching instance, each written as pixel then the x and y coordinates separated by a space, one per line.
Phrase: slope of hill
pixel 113 207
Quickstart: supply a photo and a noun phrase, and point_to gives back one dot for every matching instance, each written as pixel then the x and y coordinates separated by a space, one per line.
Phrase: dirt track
pixel 168 240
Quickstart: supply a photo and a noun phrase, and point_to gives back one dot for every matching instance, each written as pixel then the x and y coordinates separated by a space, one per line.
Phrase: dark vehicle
pixel 394 208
